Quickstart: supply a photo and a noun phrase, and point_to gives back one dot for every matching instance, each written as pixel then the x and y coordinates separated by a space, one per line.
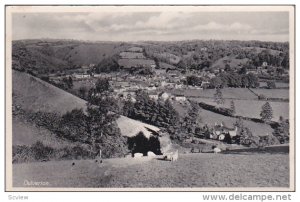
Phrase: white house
pixel 180 98
pixel 164 96
pixel 81 76
pixel 264 64
pixel 153 96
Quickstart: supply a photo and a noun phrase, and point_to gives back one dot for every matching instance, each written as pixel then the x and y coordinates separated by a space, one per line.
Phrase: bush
pixel 262 97
pixel 219 110
pixel 41 152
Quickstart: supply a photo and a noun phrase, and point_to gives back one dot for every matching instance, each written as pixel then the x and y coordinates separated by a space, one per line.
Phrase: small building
pixel 264 64
pixel 164 96
pixel 81 76
pixel 203 49
pixel 180 98
pixel 153 96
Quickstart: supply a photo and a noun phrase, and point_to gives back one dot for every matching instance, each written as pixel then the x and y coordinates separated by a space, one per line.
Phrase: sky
pixel 153 26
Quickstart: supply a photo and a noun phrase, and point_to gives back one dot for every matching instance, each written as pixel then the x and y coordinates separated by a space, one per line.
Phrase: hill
pixel 33 95
pixel 44 56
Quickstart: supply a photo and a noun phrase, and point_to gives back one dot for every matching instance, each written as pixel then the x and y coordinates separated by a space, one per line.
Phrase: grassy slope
pixel 233 62
pixel 252 108
pixel 94 53
pixel 210 118
pixel 191 170
pixel 33 94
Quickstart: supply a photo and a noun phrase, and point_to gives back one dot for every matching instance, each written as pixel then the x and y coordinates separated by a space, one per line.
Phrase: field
pixel 33 94
pixel 251 108
pixel 233 93
pixel 135 62
pixel 131 55
pixel 233 62
pixel 273 93
pixel 173 59
pixel 278 84
pixel 210 118
pixel 245 169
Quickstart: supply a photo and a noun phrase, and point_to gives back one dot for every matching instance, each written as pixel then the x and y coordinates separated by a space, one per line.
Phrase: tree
pixel 109 64
pixel 271 84
pixel 266 113
pixel 232 107
pixel 218 96
pixel 157 66
pixel 253 80
pixel 96 127
pixel 193 80
pixel 67 82
pixel 102 85
pixel 282 131
pixel 82 92
pixel 216 82
pixel 192 119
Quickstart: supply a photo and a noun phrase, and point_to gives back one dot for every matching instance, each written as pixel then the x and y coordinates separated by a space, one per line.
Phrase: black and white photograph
pixel 150 98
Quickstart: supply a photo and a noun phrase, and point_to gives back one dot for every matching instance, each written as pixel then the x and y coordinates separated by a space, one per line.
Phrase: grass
pixel 234 93
pixel 132 55
pixel 273 93
pixel 210 118
pixel 191 170
pixel 278 84
pixel 135 62
pixel 34 94
pixel 233 62
pixel 252 108
pixel 25 133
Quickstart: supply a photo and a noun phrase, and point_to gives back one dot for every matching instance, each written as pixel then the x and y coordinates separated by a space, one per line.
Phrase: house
pixel 264 64
pixel 164 96
pixel 180 98
pixel 152 66
pixel 203 49
pixel 178 86
pixel 173 73
pixel 153 96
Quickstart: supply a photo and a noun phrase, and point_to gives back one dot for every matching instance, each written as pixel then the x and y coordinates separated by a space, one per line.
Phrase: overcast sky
pixel 161 26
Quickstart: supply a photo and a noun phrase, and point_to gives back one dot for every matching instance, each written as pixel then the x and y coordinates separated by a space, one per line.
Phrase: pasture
pixel 251 108
pixel 33 94
pixel 273 93
pixel 245 169
pixel 132 55
pixel 231 61
pixel 128 63
pixel 233 93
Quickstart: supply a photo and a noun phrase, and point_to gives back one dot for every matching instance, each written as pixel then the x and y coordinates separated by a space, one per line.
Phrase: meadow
pixel 251 108
pixel 190 171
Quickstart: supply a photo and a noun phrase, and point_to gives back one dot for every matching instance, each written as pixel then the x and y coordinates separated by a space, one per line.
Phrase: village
pixel 167 108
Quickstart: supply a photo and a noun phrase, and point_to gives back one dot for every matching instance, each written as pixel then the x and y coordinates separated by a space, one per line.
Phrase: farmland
pixel 251 108
pixel 128 63
pixel 190 171
pixel 132 55
pixel 273 93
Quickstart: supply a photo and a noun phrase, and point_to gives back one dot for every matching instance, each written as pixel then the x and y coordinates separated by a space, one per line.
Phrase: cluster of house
pixel 266 69
pixel 220 131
